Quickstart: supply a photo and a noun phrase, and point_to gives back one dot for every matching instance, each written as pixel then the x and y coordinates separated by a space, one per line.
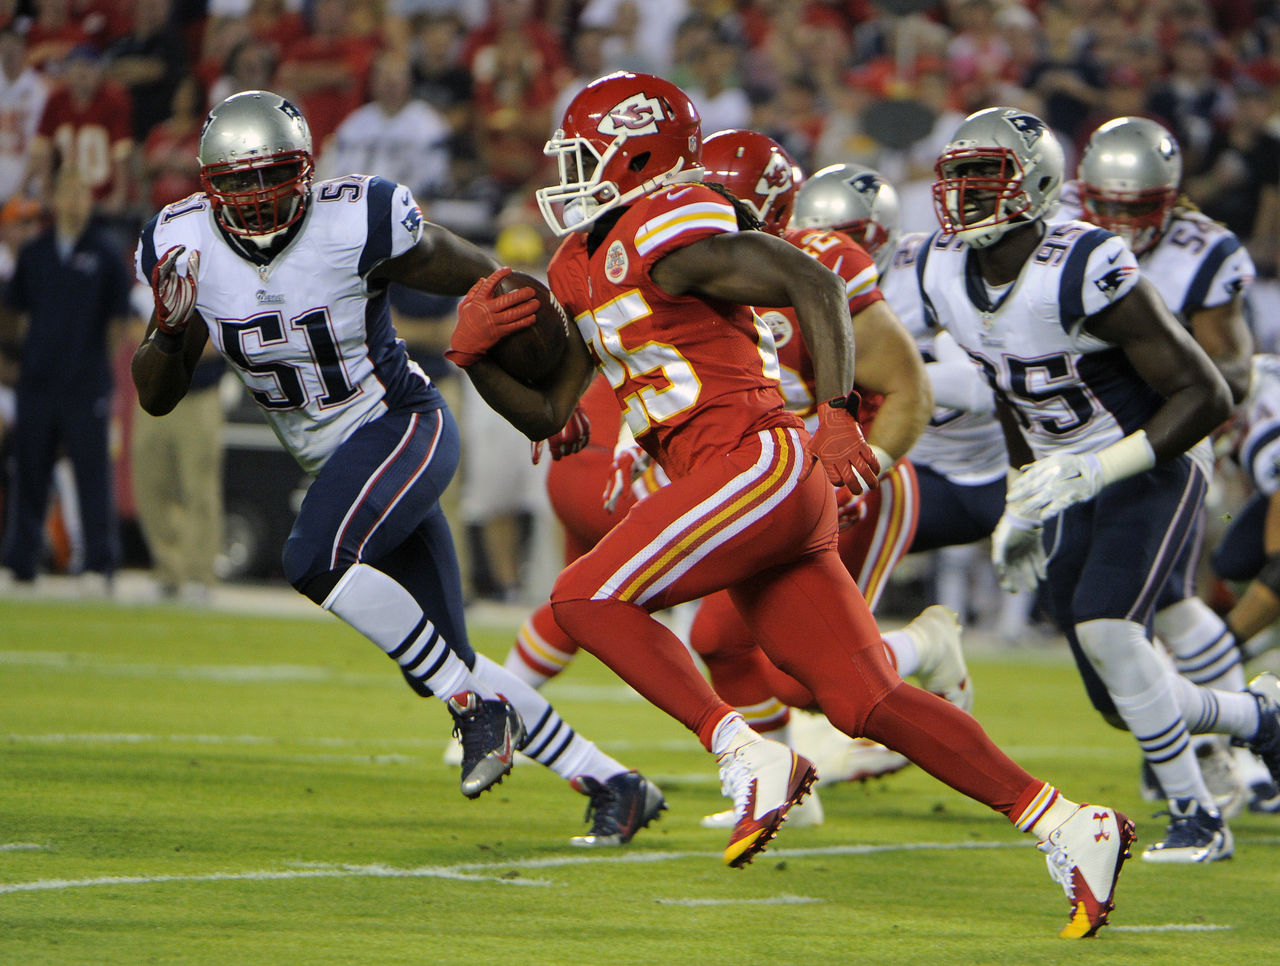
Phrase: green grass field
pixel 181 786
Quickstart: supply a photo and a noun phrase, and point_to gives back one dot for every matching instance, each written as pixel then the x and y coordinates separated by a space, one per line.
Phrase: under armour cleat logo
pixel 1103 832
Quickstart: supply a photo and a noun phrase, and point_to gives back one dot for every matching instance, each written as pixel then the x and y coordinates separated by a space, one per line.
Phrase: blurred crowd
pixel 456 97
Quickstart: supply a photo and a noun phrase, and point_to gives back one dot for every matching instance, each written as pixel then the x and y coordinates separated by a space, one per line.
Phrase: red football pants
pixel 760 523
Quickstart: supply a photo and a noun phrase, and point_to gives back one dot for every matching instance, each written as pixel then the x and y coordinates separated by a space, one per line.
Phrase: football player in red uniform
pixel 659 280
pixel 876 527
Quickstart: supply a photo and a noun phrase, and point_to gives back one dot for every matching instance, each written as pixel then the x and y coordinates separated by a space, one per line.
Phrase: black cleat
pixel 622 806
pixel 490 732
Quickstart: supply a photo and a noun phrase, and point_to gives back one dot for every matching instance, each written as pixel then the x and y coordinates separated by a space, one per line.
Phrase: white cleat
pixel 808 814
pixel 838 757
pixel 1084 855
pixel 1223 779
pixel 1194 836
pixel 765 779
pixel 936 632
pixel 868 759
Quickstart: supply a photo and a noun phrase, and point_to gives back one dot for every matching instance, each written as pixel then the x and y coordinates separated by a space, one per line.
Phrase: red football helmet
pixel 623 136
pixel 757 170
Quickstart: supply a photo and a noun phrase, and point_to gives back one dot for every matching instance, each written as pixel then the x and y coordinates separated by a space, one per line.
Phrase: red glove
pixel 838 444
pixel 484 318
pixel 850 508
pixel 174 294
pixel 629 464
pixel 575 435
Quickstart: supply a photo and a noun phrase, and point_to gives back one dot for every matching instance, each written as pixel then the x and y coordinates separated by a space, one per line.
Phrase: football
pixel 532 354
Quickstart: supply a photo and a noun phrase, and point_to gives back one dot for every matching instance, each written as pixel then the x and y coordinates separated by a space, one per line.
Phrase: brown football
pixel 532 354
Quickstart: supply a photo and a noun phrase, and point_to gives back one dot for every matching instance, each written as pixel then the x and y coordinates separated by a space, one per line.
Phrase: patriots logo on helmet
pixel 289 110
pixel 1110 283
pixel 866 184
pixel 1029 126
pixel 775 177
pixel 638 114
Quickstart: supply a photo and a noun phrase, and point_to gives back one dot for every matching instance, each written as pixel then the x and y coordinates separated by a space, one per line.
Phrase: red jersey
pixel 90 135
pixel 693 376
pixel 850 261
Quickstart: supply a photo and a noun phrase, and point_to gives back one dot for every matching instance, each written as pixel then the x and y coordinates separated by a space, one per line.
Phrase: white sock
pixel 1210 711
pixel 381 609
pixel 1046 812
pixel 518 667
pixel 1144 692
pixel 731 733
pixel 1165 743
pixel 903 651
pixel 1204 650
pixel 550 740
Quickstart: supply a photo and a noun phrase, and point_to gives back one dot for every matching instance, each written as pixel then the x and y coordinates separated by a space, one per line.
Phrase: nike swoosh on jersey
pixel 1112 259
pixel 673 195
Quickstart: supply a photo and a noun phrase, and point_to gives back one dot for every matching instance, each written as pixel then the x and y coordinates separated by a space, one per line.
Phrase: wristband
pixel 884 459
pixel 1130 456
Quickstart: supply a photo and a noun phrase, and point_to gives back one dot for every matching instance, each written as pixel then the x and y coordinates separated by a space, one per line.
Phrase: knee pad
pixel 1122 655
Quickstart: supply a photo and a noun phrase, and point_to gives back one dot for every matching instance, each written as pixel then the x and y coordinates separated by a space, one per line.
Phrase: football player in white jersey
pixel 1249 551
pixel 960 457
pixel 1129 177
pixel 1107 396
pixel 289 281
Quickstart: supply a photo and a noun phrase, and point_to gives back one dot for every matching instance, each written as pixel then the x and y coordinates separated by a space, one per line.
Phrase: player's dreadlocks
pixel 748 220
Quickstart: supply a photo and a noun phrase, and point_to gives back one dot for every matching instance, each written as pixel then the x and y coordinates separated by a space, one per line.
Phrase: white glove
pixel 1017 550
pixel 1050 485
pixel 956 380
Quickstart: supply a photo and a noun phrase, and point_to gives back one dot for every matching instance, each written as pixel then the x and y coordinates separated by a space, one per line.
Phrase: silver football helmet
pixel 1002 167
pixel 256 163
pixel 853 199
pixel 1129 175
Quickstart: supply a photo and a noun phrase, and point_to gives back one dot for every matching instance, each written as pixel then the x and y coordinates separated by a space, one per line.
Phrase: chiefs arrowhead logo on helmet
pixel 776 176
pixel 638 114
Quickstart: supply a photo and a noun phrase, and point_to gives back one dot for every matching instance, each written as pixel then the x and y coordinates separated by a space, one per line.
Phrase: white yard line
pixel 782 900
pixel 494 871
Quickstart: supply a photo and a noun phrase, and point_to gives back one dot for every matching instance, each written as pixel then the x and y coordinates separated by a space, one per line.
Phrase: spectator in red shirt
pixel 169 152
pixel 513 96
pixel 328 70
pixel 53 34
pixel 520 16
pixel 88 122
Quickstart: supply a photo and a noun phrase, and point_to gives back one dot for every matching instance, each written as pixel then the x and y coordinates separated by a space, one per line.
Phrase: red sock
pixel 950 745
pixel 648 657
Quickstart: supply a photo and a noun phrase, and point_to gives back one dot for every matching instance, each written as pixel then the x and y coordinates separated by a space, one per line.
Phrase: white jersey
pixel 1260 447
pixel 966 447
pixel 1196 264
pixel 22 102
pixel 1072 391
pixel 313 345
pixel 410 146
